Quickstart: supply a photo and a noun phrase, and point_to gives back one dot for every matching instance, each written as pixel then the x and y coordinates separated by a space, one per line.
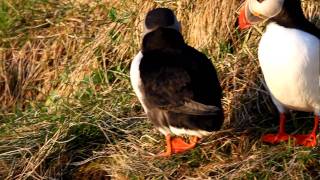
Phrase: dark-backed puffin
pixel 288 53
pixel 177 85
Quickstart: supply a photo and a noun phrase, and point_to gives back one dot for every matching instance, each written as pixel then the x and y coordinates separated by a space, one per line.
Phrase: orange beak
pixel 242 19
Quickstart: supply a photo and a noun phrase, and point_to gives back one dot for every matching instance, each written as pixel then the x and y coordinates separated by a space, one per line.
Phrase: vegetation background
pixel 68 111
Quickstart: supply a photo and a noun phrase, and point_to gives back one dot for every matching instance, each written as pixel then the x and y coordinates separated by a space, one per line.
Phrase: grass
pixel 68 110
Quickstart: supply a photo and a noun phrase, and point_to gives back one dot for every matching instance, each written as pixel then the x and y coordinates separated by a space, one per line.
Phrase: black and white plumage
pixel 289 52
pixel 177 85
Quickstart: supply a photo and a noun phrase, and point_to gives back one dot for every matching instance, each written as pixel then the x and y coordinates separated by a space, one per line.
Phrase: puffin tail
pixel 195 108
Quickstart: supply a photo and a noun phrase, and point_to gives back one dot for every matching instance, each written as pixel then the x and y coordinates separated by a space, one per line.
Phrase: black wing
pixel 168 84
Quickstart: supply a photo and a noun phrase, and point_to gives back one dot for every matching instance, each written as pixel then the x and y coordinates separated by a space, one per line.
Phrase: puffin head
pixel 254 11
pixel 161 17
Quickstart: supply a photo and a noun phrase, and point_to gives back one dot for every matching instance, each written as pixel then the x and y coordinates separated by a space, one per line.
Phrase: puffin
pixel 177 85
pixel 288 54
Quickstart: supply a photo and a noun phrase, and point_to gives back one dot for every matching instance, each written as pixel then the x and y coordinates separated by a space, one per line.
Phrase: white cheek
pixel 268 8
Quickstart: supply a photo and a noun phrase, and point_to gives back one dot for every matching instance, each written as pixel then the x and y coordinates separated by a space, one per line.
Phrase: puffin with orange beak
pixel 177 85
pixel 288 53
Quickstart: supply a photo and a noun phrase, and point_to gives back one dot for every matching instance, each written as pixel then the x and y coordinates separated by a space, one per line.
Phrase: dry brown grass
pixel 58 122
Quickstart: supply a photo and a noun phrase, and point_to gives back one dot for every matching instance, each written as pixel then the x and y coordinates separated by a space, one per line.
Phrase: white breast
pixel 289 59
pixel 136 80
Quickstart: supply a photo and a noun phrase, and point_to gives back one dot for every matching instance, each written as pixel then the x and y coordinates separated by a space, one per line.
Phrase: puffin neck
pixel 162 38
pixel 292 16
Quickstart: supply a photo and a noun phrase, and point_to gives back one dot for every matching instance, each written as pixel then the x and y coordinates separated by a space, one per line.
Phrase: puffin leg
pixel 308 140
pixel 281 136
pixel 168 151
pixel 179 145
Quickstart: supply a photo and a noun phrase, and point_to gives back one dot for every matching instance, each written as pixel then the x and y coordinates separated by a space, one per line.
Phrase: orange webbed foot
pixel 178 144
pixel 281 136
pixel 168 151
pixel 275 138
pixel 308 140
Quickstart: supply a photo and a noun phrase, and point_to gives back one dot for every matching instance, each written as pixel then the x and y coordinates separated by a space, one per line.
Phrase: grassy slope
pixel 68 110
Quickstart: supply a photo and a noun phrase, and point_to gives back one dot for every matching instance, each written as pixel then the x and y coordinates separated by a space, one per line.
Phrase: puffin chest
pixel 289 60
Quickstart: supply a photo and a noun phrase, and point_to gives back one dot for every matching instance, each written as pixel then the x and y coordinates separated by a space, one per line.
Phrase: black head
pixel 287 13
pixel 290 14
pixel 159 17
